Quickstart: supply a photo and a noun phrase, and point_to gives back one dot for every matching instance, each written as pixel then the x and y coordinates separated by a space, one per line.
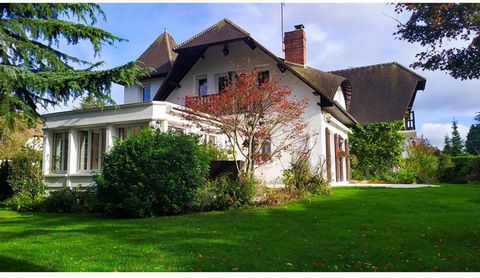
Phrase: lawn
pixel 427 229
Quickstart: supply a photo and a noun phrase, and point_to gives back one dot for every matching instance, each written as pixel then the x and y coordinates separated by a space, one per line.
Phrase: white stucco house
pixel 75 140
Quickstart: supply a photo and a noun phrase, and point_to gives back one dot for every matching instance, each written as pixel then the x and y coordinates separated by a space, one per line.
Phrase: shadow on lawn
pixel 10 264
pixel 354 230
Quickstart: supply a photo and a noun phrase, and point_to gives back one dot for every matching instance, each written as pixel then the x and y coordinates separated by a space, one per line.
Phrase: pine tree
pixel 472 145
pixel 90 101
pixel 457 144
pixel 35 72
pixel 447 145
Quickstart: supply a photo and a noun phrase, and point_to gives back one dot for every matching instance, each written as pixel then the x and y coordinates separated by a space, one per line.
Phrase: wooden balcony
pixel 409 120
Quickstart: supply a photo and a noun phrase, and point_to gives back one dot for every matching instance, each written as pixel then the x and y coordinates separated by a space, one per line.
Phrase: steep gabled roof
pixel 159 55
pixel 382 92
pixel 226 31
pixel 220 32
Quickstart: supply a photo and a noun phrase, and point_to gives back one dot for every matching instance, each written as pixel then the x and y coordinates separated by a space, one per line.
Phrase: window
pixel 146 93
pixel 263 76
pixel 60 152
pixel 92 145
pixel 222 81
pixel 176 130
pixel 121 134
pixel 212 139
pixel 267 147
pixel 202 85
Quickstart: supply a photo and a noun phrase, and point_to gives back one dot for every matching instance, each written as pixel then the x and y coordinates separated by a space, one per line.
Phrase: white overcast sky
pixel 338 36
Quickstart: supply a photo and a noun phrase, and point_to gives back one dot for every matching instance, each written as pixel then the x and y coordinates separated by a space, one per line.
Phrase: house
pixel 75 140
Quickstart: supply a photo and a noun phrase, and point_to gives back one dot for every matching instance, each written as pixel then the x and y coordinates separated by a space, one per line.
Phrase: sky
pixel 339 36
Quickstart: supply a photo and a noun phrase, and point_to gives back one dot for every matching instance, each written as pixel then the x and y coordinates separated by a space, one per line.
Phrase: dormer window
pixel 146 93
pixel 202 85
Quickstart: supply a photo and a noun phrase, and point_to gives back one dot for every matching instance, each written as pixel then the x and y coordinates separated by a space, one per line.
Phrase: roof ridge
pixel 224 20
pixel 366 67
pixel 162 35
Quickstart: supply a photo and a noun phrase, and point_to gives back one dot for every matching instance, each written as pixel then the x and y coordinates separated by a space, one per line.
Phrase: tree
pixel 255 115
pixel 90 101
pixel 433 26
pixel 33 69
pixel 447 145
pixel 376 149
pixel 457 144
pixel 472 144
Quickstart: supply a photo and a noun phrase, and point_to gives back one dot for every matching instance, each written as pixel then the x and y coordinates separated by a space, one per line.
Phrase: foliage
pixel 24 201
pixel 376 149
pixel 252 114
pixel 464 169
pixel 90 101
pixel 224 193
pixel 447 145
pixel 472 144
pixel 25 176
pixel 14 139
pixel 6 190
pixel 68 199
pixel 152 173
pixel 401 177
pixel 34 69
pixel 434 25
pixel 215 152
pixel 425 162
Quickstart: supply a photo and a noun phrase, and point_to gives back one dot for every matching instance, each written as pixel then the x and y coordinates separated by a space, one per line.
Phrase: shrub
pixel 375 148
pixel 225 193
pixel 70 200
pixel 24 201
pixel 215 152
pixel 26 179
pixel 302 177
pixel 152 173
pixel 422 160
pixel 6 190
pixel 465 169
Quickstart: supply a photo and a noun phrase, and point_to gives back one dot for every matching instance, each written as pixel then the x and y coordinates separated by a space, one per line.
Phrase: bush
pixel 422 161
pixel 225 193
pixel 465 169
pixel 152 173
pixel 24 201
pixel 26 179
pixel 302 177
pixel 6 190
pixel 70 200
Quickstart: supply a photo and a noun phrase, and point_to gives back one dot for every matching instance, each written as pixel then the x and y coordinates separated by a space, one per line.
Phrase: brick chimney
pixel 295 45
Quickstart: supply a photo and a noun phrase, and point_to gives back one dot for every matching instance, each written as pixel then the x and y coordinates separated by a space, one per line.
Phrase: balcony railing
pixel 193 101
pixel 409 120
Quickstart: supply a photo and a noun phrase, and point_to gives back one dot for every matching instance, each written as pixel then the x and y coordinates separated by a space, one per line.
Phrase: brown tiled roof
pixel 383 92
pixel 225 31
pixel 324 82
pixel 159 55
pixel 222 31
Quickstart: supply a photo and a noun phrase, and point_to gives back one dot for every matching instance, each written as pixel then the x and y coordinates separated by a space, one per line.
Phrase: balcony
pixel 195 101
pixel 409 120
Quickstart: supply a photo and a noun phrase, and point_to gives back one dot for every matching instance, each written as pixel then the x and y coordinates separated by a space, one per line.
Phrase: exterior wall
pixel 155 114
pixel 135 94
pixel 339 97
pixel 216 63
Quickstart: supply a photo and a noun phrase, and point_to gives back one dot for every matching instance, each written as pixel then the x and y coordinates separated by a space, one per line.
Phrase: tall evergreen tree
pixel 35 72
pixel 472 145
pixel 447 145
pixel 457 143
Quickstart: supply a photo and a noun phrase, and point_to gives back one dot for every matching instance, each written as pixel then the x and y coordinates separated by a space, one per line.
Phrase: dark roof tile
pixel 159 55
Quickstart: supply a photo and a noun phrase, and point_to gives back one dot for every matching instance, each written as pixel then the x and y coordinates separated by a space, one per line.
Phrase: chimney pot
pixel 299 26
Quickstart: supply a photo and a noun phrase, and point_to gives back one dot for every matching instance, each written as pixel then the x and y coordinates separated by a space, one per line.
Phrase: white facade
pixel 92 131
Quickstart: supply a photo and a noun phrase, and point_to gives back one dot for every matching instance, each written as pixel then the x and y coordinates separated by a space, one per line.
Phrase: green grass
pixel 428 229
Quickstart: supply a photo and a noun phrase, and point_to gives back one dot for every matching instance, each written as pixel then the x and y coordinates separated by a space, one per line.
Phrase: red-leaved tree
pixel 261 118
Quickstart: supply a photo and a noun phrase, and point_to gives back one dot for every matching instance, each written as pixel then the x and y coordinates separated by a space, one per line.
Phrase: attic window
pixel 202 85
pixel 263 76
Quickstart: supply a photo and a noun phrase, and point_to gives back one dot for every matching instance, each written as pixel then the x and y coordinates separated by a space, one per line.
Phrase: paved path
pixel 386 185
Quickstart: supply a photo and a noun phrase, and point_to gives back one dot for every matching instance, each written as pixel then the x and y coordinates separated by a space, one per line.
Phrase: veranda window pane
pixel 83 150
pixel 94 152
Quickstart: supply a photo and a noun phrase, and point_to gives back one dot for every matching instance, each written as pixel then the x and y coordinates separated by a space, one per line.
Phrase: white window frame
pixel 89 149
pixel 142 93
pixel 63 150
pixel 217 82
pixel 196 86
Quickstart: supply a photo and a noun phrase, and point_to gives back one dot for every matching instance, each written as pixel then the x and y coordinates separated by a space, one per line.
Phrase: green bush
pixel 302 177
pixel 24 201
pixel 6 190
pixel 152 173
pixel 224 193
pixel 70 200
pixel 465 169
